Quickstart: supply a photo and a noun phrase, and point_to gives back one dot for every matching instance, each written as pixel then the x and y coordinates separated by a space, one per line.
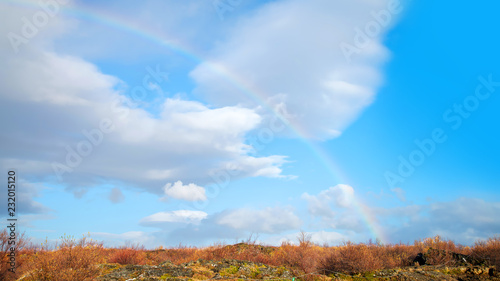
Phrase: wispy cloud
pixel 180 216
pixel 269 220
pixel 288 54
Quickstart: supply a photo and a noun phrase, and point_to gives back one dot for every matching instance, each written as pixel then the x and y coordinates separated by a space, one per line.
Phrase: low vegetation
pixel 85 259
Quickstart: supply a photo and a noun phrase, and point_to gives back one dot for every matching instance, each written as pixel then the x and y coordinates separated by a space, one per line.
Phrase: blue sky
pixel 167 122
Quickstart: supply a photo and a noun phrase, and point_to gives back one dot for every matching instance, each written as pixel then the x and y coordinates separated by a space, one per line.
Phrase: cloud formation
pixel 340 196
pixel 334 206
pixel 323 91
pixel 179 216
pixel 186 226
pixel 464 220
pixel 26 192
pixel 189 192
pixel 78 126
pixel 268 220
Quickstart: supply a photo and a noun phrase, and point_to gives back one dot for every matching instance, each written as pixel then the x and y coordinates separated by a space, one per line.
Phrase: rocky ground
pixel 446 266
pixel 196 270
pixel 426 273
pixel 241 270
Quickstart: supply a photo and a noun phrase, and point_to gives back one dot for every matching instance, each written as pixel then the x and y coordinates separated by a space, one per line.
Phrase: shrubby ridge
pixel 86 259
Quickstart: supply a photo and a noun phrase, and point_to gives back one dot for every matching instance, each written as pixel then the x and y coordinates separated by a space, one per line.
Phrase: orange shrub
pixel 80 260
pixel 304 257
pixel 441 250
pixel 437 242
pixel 20 246
pixel 397 255
pixel 175 255
pixel 351 258
pixel 125 256
pixel 128 254
pixel 72 260
pixel 488 250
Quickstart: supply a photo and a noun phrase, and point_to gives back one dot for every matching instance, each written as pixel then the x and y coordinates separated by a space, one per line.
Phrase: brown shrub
pixel 20 243
pixel 397 255
pixel 351 258
pixel 178 255
pixel 72 260
pixel 125 256
pixel 128 254
pixel 79 260
pixel 488 250
pixel 437 242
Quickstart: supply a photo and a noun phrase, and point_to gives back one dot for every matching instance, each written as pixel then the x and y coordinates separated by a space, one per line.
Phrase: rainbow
pixel 250 90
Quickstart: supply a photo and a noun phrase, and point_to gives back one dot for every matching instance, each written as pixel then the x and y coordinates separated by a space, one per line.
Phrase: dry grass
pixel 128 254
pixel 70 260
pixel 73 259
pixel 5 244
pixel 489 250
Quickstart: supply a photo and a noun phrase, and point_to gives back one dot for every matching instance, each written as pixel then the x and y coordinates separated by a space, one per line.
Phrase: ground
pixel 244 270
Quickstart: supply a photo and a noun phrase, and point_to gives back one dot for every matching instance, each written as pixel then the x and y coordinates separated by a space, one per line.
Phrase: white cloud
pixel 335 208
pixel 318 205
pixel 341 195
pixel 179 216
pixel 288 54
pixel 269 220
pixel 189 192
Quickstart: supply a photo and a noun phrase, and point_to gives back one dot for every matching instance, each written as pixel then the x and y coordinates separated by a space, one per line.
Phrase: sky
pixel 199 122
